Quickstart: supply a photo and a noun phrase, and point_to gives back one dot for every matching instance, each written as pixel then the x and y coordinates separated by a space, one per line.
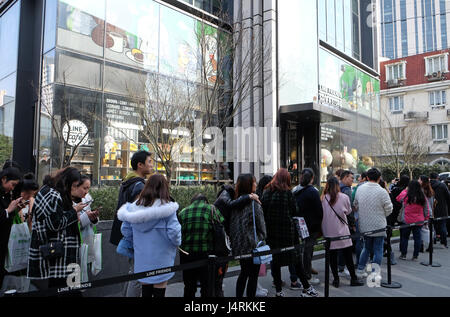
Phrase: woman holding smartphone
pixel 88 218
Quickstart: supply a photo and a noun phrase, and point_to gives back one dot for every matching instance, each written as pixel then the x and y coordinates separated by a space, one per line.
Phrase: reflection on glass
pixel 331 22
pixel 81 25
pixel 9 40
pixel 50 24
pixel 70 130
pixel 322 7
pixel 348 144
pixel 7 107
pixel 348 27
pixel 340 25
pixel 132 33
pixel 79 72
pixel 298 66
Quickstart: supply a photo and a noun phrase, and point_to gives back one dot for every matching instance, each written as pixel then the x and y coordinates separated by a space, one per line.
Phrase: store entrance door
pixel 301 148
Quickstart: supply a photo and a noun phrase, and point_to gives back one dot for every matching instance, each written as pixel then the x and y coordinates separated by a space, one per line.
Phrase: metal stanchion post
pixel 430 248
pixel 212 273
pixel 327 267
pixel 389 283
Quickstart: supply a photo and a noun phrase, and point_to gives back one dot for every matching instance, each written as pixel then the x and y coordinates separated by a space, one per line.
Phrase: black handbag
pixel 221 240
pixel 52 250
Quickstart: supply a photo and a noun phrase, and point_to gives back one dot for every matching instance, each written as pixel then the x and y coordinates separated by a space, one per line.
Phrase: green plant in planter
pixel 107 197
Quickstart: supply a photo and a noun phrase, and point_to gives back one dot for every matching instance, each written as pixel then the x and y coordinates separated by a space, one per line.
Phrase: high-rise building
pixel 412 27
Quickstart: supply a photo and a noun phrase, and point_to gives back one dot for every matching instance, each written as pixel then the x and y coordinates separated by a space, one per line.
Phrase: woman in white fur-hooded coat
pixel 151 224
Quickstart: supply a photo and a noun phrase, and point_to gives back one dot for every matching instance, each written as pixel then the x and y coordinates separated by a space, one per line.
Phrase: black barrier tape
pixel 116 280
pixel 136 276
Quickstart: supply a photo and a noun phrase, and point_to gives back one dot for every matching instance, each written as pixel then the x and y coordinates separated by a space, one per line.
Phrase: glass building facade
pixel 99 58
pixel 9 44
pixel 330 99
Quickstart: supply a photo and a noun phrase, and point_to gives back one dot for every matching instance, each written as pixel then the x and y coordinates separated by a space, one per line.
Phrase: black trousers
pixel 250 272
pixel 191 277
pixel 347 254
pixel 149 291
pixel 299 271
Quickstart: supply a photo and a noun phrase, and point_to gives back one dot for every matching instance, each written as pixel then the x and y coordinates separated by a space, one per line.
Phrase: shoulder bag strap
pixel 340 218
pixel 254 223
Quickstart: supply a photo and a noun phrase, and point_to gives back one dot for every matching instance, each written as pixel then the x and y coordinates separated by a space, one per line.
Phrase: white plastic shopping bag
pixel 19 283
pixel 425 233
pixel 97 262
pixel 18 246
pixel 84 250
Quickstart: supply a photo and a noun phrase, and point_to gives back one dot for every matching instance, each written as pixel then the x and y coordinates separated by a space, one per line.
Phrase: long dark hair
pixel 62 182
pixel 29 183
pixel 306 176
pixel 403 182
pixel 244 184
pixel 281 181
pixel 332 188
pixel 266 179
pixel 426 186
pixel 156 187
pixel 11 174
pixel 415 193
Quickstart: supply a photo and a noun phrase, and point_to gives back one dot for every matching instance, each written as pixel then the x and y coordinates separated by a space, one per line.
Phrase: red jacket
pixel 413 212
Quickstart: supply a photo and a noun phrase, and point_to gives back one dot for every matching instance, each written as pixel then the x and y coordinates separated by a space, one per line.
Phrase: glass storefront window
pixel 340 25
pixel 70 130
pixel 331 22
pixel 9 40
pixel 7 107
pixel 322 7
pixel 50 24
pixel 100 76
pixel 348 27
pixel 297 66
pixel 77 71
pixel 81 25
pixel 348 144
pixel 132 33
pixel 179 45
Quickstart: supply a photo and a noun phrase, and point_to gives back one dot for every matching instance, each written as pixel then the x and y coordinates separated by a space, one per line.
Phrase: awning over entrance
pixel 312 112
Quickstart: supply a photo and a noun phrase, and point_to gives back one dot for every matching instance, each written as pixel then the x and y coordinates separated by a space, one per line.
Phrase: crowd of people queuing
pixel 150 229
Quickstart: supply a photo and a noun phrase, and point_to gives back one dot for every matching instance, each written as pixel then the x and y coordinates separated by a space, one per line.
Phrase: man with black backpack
pixel 131 187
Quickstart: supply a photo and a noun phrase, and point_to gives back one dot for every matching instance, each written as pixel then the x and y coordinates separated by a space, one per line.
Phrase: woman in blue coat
pixel 151 225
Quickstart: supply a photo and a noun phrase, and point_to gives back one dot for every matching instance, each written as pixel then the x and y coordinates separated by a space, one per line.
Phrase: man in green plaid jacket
pixel 197 241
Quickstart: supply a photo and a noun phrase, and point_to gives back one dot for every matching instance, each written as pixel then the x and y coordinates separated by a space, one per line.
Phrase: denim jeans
pixel 404 237
pixel 371 245
pixel 441 229
pixel 359 245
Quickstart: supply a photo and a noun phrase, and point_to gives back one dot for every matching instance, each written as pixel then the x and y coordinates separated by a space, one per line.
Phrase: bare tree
pixel 403 140
pixel 67 141
pixel 169 105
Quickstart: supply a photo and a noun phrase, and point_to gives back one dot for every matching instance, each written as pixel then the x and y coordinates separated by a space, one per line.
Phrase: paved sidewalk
pixel 416 279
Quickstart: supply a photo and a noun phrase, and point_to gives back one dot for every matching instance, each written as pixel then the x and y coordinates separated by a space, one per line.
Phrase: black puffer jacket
pixel 392 218
pixel 129 190
pixel 442 196
pixel 226 204
pixel 310 207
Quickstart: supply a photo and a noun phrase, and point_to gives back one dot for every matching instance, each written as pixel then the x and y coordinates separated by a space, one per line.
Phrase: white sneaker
pixel 361 274
pixel 280 294
pixel 314 281
pixel 261 292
